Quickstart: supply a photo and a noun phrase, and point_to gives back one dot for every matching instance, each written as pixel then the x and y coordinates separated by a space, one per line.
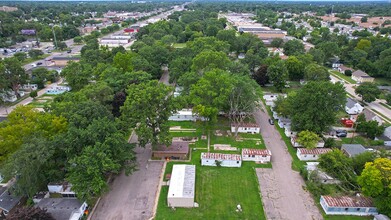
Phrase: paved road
pixel 282 190
pixel 132 197
pixel 373 105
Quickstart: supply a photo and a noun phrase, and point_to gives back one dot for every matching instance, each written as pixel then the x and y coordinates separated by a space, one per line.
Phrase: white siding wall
pixel 224 163
pixel 180 202
pixel 256 158
pixel 307 157
pixel 246 130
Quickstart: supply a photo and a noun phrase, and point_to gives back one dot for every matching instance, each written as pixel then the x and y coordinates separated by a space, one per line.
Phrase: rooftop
pixel 350 102
pixel 353 149
pixel 262 152
pixel 65 58
pixel 369 115
pixel 60 208
pixel 182 182
pixel 218 156
pixel 316 151
pixel 247 125
pixel 348 201
pixel 7 200
pixel 360 73
pixel 175 147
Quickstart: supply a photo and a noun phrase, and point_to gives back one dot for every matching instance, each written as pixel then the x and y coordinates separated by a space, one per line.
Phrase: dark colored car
pixel 341 135
pixel 39 63
pixel 69 51
pixel 271 122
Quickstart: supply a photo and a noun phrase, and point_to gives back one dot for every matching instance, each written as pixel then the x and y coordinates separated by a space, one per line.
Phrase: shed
pixel 225 160
pixel 251 128
pixel 178 150
pixel 386 137
pixel 347 205
pixel 256 155
pixel 64 189
pixel 305 154
pixel 181 191
pixel 371 116
pixel 351 150
pixel 63 208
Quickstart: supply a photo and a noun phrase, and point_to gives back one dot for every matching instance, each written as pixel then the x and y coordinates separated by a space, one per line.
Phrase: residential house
pixel 270 99
pixel 251 128
pixel 113 42
pixel 178 150
pixel 185 115
pixel 305 154
pixel 8 96
pixel 352 107
pixel 321 176
pixel 343 68
pixel 347 205
pixel 181 191
pixel 284 122
pixel 360 77
pixel 336 65
pixel 8 200
pixel 386 137
pixel 63 208
pixel 29 87
pixel 296 144
pixel 256 155
pixel 288 131
pixel 224 160
pixel 371 116
pixel 351 150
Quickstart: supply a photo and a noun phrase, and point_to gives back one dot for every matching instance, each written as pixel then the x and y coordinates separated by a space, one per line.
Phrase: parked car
pixel 39 63
pixel 341 135
pixel 341 131
pixel 69 51
pixel 271 122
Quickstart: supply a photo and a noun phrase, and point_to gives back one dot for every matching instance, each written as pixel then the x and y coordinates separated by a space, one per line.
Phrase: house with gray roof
pixel 351 150
pixel 386 137
pixel 360 76
pixel 63 208
pixel 371 116
pixel 352 107
pixel 8 200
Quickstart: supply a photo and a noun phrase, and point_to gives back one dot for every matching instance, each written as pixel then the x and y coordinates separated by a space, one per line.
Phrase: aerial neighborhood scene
pixel 209 110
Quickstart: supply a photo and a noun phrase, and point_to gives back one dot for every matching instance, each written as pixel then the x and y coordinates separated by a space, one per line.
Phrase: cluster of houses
pixel 357 75
pixel 60 201
pixel 11 96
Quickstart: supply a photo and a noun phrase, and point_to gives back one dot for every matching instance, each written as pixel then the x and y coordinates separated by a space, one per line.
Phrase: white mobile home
pixel 305 154
pixel 346 205
pixel 181 191
pixel 225 160
pixel 246 128
pixel 185 115
pixel 256 155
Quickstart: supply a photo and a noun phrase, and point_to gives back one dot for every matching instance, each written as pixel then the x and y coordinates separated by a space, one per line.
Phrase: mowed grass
pixel 218 191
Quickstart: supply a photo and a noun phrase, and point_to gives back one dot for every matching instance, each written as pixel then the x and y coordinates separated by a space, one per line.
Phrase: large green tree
pixel 308 139
pixel 293 47
pixel 77 75
pixel 12 75
pixel 375 181
pixel 147 109
pixel 278 75
pixel 368 91
pixel 314 106
pixel 314 72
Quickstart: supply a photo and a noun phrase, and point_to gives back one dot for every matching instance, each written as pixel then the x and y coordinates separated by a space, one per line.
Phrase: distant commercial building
pixel 113 42
pixel 181 191
pixel 8 9
pixel 63 61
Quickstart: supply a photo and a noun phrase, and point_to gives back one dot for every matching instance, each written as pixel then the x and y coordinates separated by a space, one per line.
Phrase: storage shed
pixel 250 128
pixel 256 155
pixel 181 191
pixel 346 205
pixel 225 160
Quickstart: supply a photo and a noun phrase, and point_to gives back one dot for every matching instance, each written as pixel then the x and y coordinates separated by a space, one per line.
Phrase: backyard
pixel 218 189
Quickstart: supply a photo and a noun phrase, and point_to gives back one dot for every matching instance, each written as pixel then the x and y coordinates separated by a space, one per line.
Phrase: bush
pixel 348 73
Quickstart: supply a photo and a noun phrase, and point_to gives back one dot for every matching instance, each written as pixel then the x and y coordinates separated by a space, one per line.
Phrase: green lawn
pixel 383 81
pixel 30 60
pixel 218 191
pixel 179 45
pixel 342 76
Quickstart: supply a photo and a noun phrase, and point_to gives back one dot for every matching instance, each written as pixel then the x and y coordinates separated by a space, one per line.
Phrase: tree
pixel 209 60
pixel 123 61
pixel 360 160
pixel 277 42
pixel 242 100
pixel 21 56
pixel 252 60
pixel 329 49
pixel 308 139
pixel 147 109
pixel 375 181
pixel 211 93
pixel 314 72
pixel 317 55
pixel 314 106
pixel 293 47
pixel 364 19
pixel 260 76
pixel 78 40
pixel 29 163
pixel 338 165
pixel 33 53
pixel 77 75
pixel 371 128
pixel 278 74
pixel 368 91
pixel 30 213
pixel 348 73
pixel 12 75
pixel 39 77
pixel 295 68
pixel 33 94
pixel 61 45
pixel 388 99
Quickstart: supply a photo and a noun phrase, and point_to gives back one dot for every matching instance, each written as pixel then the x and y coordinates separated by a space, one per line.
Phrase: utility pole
pixel 54 36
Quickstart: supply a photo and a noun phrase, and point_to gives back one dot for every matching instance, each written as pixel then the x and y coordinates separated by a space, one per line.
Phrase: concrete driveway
pixel 132 197
pixel 283 196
